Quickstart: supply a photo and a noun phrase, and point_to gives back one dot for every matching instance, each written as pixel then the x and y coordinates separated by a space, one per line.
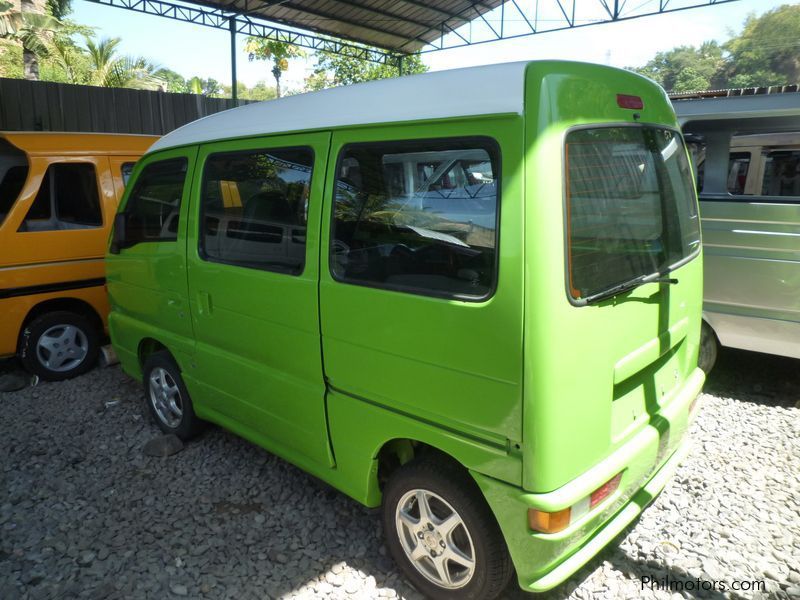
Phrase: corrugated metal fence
pixel 45 106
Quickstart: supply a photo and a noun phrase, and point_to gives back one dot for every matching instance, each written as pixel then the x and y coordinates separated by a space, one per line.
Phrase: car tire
pixel 59 345
pixel 167 398
pixel 452 547
pixel 709 348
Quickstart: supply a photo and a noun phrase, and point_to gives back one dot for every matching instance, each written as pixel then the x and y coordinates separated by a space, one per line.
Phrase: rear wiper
pixel 627 286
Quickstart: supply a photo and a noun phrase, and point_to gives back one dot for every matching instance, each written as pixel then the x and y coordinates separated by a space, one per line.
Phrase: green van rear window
pixel 631 211
pixel 418 217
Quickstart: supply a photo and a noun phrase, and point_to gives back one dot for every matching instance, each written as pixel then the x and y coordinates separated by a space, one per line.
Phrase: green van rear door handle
pixel 204 303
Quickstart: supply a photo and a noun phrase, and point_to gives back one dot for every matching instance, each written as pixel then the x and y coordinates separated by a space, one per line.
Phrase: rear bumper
pixel 648 461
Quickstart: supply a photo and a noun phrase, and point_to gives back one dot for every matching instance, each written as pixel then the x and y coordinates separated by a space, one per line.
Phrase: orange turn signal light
pixel 548 522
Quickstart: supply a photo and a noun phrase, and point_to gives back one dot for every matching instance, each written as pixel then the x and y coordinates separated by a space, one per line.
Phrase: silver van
pixel 746 152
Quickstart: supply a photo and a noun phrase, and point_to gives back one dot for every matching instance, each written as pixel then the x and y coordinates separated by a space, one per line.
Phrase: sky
pixel 195 50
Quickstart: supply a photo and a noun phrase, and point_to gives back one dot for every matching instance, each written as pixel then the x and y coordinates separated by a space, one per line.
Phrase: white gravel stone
pixel 84 513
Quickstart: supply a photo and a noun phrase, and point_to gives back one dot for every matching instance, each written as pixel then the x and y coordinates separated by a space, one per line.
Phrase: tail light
pixel 631 102
pixel 553 522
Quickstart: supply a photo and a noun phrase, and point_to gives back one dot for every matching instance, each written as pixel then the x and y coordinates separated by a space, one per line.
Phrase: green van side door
pixel 253 271
pixel 409 352
pixel 147 278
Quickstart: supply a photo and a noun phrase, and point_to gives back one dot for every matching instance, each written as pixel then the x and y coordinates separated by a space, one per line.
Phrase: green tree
pixel 59 8
pixel 205 87
pixel 67 62
pixel 31 27
pixel 108 69
pixel 278 52
pixel 344 69
pixel 173 82
pixel 767 52
pixel 688 68
pixel 259 92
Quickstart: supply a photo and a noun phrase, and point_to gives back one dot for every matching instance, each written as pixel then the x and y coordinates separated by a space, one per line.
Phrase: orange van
pixel 58 196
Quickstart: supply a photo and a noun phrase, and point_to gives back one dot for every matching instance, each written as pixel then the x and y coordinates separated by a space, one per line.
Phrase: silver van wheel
pixel 165 397
pixel 435 539
pixel 62 348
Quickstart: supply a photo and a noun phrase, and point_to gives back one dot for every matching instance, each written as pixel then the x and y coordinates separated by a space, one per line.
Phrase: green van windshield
pixel 630 207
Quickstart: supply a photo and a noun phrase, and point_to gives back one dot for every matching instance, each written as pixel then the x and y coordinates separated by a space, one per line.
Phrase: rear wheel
pixel 442 534
pixel 709 348
pixel 59 345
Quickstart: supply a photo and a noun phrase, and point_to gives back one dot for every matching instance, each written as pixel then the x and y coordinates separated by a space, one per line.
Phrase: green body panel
pixel 257 356
pixel 535 555
pixel 543 401
pixel 450 362
pixel 357 445
pixel 147 286
pixel 633 350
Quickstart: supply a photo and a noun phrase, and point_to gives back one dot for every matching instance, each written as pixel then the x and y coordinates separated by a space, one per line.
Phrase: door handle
pixel 204 303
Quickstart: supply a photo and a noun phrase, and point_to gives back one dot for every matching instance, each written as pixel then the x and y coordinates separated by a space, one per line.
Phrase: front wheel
pixel 167 397
pixel 442 534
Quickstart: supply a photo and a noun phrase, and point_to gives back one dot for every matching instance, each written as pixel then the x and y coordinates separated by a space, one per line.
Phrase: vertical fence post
pixel 232 26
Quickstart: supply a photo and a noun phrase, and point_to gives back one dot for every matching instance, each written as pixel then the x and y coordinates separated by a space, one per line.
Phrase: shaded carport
pixel 385 31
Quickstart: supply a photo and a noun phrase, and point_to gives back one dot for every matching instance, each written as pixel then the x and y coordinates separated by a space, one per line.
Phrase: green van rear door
pixel 421 274
pixel 253 269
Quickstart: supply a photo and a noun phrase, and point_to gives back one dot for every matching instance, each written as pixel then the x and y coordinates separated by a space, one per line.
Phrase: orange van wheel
pixel 59 345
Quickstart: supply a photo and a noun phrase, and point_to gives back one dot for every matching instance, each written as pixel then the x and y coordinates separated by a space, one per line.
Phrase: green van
pixel 472 297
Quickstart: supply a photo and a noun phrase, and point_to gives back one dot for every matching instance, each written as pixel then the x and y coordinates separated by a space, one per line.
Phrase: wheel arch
pixel 74 305
pixel 147 347
pixel 395 452
pixel 370 442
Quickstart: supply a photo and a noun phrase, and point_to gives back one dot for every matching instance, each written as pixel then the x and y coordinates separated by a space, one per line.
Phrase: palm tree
pixel 138 73
pixel 59 8
pixel 110 70
pixel 102 60
pixel 30 26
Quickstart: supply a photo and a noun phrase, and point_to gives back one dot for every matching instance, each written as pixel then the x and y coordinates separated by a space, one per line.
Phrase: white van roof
pixel 491 89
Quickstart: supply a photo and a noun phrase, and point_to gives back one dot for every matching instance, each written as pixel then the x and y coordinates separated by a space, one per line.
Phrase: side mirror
pixel 118 236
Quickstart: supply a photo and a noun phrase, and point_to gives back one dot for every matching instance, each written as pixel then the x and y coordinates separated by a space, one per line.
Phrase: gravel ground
pixel 84 514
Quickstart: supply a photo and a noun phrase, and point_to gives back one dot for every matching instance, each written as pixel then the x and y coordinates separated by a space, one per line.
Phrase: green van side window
pixel 155 202
pixel 255 208
pixel 418 217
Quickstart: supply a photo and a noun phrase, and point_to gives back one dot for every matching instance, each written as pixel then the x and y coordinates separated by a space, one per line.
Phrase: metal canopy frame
pixel 241 22
pixel 477 24
pixel 522 18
